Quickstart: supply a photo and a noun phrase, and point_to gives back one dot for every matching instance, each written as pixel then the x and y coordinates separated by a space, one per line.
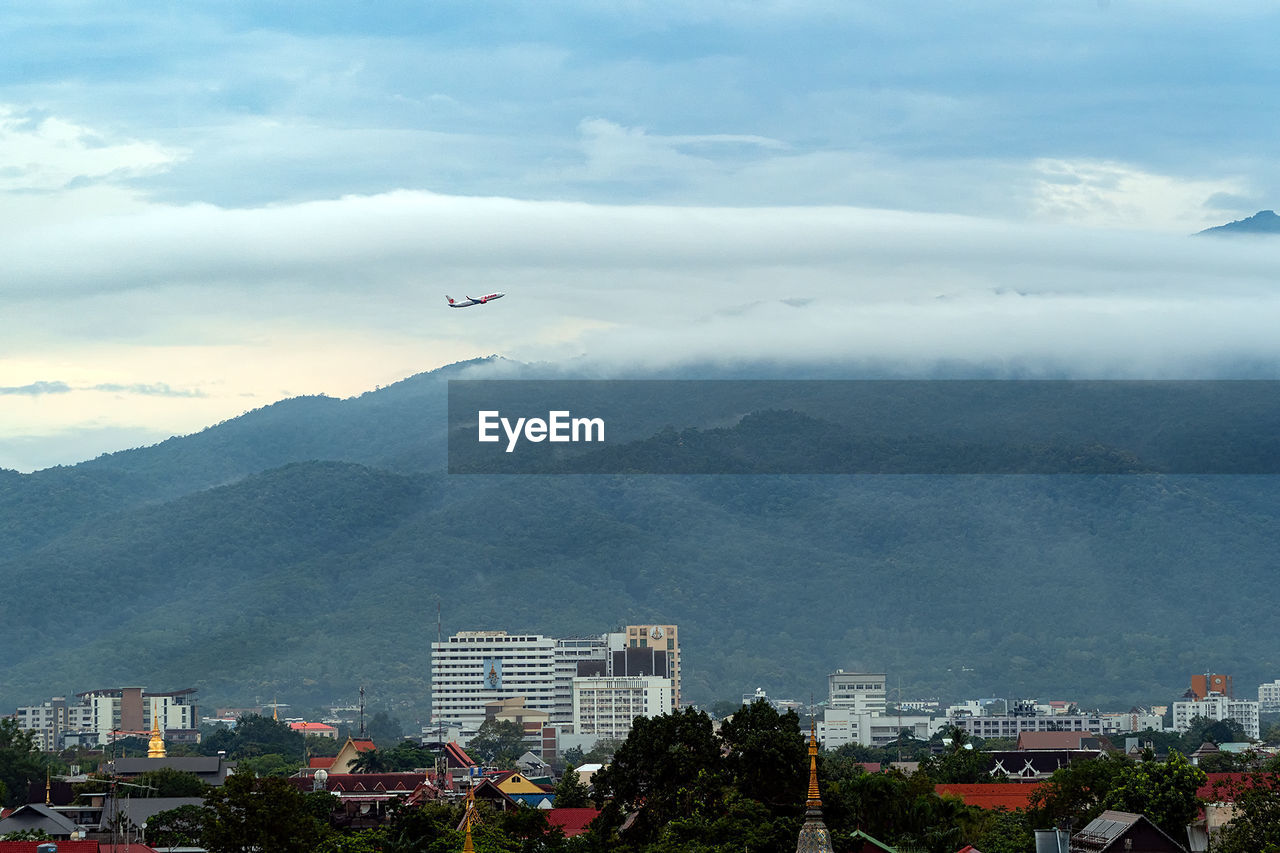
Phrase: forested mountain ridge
pixel 312 577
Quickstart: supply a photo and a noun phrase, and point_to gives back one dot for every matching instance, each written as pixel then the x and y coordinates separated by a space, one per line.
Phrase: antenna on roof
pixel 361 710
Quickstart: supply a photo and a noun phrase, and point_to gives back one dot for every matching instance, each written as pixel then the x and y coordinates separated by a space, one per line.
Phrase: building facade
pixel 840 726
pixel 860 692
pixel 1211 682
pixel 577 656
pixel 1010 725
pixel 1269 697
pixel 1217 707
pixel 474 668
pixel 665 638
pixel 606 707
pixel 100 716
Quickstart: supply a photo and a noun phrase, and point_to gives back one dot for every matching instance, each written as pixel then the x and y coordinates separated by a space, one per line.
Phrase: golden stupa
pixel 155 748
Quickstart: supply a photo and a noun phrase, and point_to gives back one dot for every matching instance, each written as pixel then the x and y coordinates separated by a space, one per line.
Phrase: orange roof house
pixel 990 795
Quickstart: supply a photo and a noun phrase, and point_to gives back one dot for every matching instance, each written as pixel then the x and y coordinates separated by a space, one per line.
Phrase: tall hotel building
pixel 474 667
pixel 665 639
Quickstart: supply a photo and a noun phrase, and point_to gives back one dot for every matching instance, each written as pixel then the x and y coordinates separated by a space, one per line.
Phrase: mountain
pixel 300 551
pixel 1262 222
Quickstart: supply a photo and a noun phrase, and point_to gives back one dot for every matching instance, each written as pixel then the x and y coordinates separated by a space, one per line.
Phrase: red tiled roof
pixel 1225 787
pixel 363 745
pixel 870 766
pixel 311 727
pixel 321 762
pixel 990 795
pixel 63 846
pixel 458 756
pixel 571 821
pixel 1052 740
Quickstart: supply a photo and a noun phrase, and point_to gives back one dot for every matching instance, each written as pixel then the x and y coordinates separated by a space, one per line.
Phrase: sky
pixel 206 207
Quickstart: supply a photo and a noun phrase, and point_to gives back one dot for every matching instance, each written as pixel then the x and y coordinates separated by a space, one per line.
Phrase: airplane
pixel 472 300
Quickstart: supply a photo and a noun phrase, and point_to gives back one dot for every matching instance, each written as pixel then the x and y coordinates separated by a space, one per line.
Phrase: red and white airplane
pixel 472 300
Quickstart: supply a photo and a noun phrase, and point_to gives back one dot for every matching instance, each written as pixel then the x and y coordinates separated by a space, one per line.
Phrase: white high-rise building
pixel 474 667
pixel 593 652
pixel 1215 706
pixel 605 707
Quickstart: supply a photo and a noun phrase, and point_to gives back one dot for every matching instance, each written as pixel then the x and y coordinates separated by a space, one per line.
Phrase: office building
pixel 664 638
pixel 474 668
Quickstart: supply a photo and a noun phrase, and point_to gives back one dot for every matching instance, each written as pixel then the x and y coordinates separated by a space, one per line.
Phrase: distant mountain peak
pixel 1262 222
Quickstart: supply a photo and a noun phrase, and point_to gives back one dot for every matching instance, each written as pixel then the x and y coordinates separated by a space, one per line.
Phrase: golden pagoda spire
pixel 814 798
pixel 48 788
pixel 466 822
pixel 814 836
pixel 155 748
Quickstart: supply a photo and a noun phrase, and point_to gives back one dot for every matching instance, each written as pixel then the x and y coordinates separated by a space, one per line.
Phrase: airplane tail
pixel 450 298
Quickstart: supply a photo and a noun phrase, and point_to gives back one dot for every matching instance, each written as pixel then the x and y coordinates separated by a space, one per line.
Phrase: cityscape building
pixel 861 692
pixel 606 706
pixel 1217 707
pixel 664 638
pixel 474 668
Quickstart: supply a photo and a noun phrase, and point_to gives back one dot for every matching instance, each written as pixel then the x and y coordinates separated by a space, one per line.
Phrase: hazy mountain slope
pixel 308 580
pixel 399 427
pixel 1262 222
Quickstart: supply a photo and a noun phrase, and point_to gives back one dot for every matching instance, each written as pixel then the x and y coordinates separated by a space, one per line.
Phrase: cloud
pixel 42 153
pixel 1107 194
pixel 37 388
pixel 157 389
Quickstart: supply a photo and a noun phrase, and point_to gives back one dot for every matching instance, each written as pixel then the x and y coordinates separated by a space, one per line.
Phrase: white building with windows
pixel 1269 697
pixel 1012 725
pixel 860 692
pixel 580 656
pixel 840 726
pixel 605 707
pixel 100 716
pixel 1215 706
pixel 473 668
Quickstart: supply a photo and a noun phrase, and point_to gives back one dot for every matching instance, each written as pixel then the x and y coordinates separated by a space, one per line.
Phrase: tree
pixel 498 742
pixel 247 815
pixel 666 767
pixel 167 782
pixel 1077 792
pixel 372 761
pixel 957 763
pixel 1255 828
pixel 20 761
pixel 271 764
pixel 571 791
pixel 255 735
pixel 1163 791
pixel 385 730
pixel 1005 831
pixel 180 827
pixel 1203 730
pixel 767 759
